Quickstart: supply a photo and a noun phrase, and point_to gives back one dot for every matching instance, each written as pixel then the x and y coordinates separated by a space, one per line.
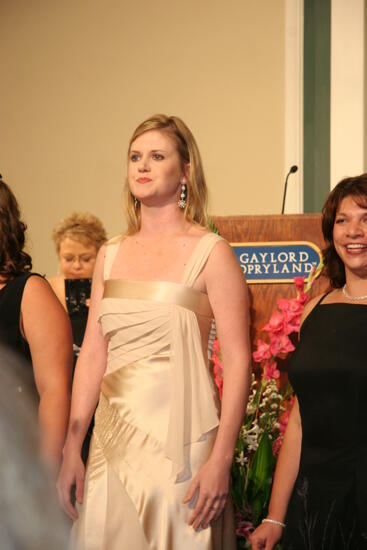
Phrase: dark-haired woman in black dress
pixel 319 495
pixel 35 327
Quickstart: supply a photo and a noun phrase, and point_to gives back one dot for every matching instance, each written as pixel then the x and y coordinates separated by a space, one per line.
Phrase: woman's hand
pixel 266 536
pixel 72 473
pixel 211 484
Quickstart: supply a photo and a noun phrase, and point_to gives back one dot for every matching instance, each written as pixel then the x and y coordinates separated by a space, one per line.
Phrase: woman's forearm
pixel 88 377
pixel 287 467
pixel 53 414
pixel 236 384
pixel 78 426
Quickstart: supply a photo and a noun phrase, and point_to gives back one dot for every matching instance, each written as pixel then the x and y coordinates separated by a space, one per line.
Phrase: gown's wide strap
pixel 112 247
pixel 199 258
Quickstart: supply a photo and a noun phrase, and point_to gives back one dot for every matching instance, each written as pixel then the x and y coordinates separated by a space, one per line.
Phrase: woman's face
pixel 155 169
pixel 350 236
pixel 76 259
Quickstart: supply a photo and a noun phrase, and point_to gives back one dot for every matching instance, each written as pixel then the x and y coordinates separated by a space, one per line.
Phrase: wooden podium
pixel 271 229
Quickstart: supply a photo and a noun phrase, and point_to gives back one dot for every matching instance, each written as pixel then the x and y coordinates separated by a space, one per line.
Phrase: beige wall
pixel 77 76
pixel 347 90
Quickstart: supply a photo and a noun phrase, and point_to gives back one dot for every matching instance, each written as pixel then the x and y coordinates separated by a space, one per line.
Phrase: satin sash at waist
pixel 160 291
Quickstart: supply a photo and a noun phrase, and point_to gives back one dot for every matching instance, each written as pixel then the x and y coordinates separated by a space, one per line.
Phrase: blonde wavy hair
pixel 196 188
pixel 82 227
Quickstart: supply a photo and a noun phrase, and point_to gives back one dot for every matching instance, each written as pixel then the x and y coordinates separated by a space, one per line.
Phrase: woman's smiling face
pixel 350 235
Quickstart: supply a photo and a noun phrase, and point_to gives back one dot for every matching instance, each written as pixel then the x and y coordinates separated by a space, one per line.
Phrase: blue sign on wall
pixel 276 262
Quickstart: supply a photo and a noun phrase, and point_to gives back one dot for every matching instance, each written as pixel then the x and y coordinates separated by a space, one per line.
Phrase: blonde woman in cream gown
pixel 158 472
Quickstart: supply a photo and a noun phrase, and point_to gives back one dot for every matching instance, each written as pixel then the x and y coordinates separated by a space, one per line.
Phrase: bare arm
pixel 228 295
pixel 47 330
pixel 267 534
pixel 227 292
pixel 287 466
pixel 89 372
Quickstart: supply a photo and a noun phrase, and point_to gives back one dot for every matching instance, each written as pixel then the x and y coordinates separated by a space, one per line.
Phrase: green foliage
pixel 239 480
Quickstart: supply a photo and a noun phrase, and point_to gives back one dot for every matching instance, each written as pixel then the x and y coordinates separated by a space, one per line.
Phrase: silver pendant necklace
pixel 353 298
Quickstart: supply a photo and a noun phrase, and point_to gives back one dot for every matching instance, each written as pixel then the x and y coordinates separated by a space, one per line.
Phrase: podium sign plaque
pixel 273 250
pixel 276 262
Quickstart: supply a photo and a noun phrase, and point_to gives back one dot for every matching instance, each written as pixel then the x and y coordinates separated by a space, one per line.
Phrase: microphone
pixel 292 170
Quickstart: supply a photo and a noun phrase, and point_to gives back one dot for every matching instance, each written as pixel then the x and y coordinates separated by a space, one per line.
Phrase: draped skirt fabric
pixel 131 499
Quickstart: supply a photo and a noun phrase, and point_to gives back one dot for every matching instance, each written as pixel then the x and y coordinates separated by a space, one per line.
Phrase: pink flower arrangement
pixel 280 345
pixel 270 371
pixel 276 324
pixel 283 322
pixel 263 352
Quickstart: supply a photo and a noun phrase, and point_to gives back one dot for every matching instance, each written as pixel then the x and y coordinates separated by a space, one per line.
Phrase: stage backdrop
pixel 272 250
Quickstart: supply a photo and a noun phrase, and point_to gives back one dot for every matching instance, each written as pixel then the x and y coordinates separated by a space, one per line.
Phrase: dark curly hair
pixel 13 259
pixel 355 187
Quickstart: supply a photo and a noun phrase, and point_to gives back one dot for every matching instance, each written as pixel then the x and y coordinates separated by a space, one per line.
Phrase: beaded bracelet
pixel 273 521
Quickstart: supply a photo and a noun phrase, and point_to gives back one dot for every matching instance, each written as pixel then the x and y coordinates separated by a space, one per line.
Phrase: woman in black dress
pixel 34 327
pixel 319 495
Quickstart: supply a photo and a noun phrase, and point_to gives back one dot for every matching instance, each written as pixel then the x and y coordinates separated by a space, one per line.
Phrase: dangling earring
pixel 182 202
pixel 136 203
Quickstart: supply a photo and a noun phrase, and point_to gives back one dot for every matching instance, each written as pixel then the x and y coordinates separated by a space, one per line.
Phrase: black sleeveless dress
pixel 77 292
pixel 11 337
pixel 328 370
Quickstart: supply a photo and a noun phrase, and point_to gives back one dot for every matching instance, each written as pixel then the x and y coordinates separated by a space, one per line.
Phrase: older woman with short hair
pixel 77 238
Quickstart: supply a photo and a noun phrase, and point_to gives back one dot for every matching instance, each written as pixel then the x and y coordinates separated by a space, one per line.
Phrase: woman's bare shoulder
pixel 40 310
pixel 40 285
pixel 38 295
pixel 223 268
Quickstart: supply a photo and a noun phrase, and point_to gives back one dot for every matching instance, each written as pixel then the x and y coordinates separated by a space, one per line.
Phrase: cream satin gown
pixel 157 417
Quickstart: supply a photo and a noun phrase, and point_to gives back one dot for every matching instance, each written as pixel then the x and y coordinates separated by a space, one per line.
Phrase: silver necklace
pixel 353 298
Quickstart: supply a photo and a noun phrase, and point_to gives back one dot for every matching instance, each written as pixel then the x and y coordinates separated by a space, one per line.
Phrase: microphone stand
pixel 292 170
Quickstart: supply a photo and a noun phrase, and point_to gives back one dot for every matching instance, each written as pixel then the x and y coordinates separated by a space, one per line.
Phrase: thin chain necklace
pixel 353 298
